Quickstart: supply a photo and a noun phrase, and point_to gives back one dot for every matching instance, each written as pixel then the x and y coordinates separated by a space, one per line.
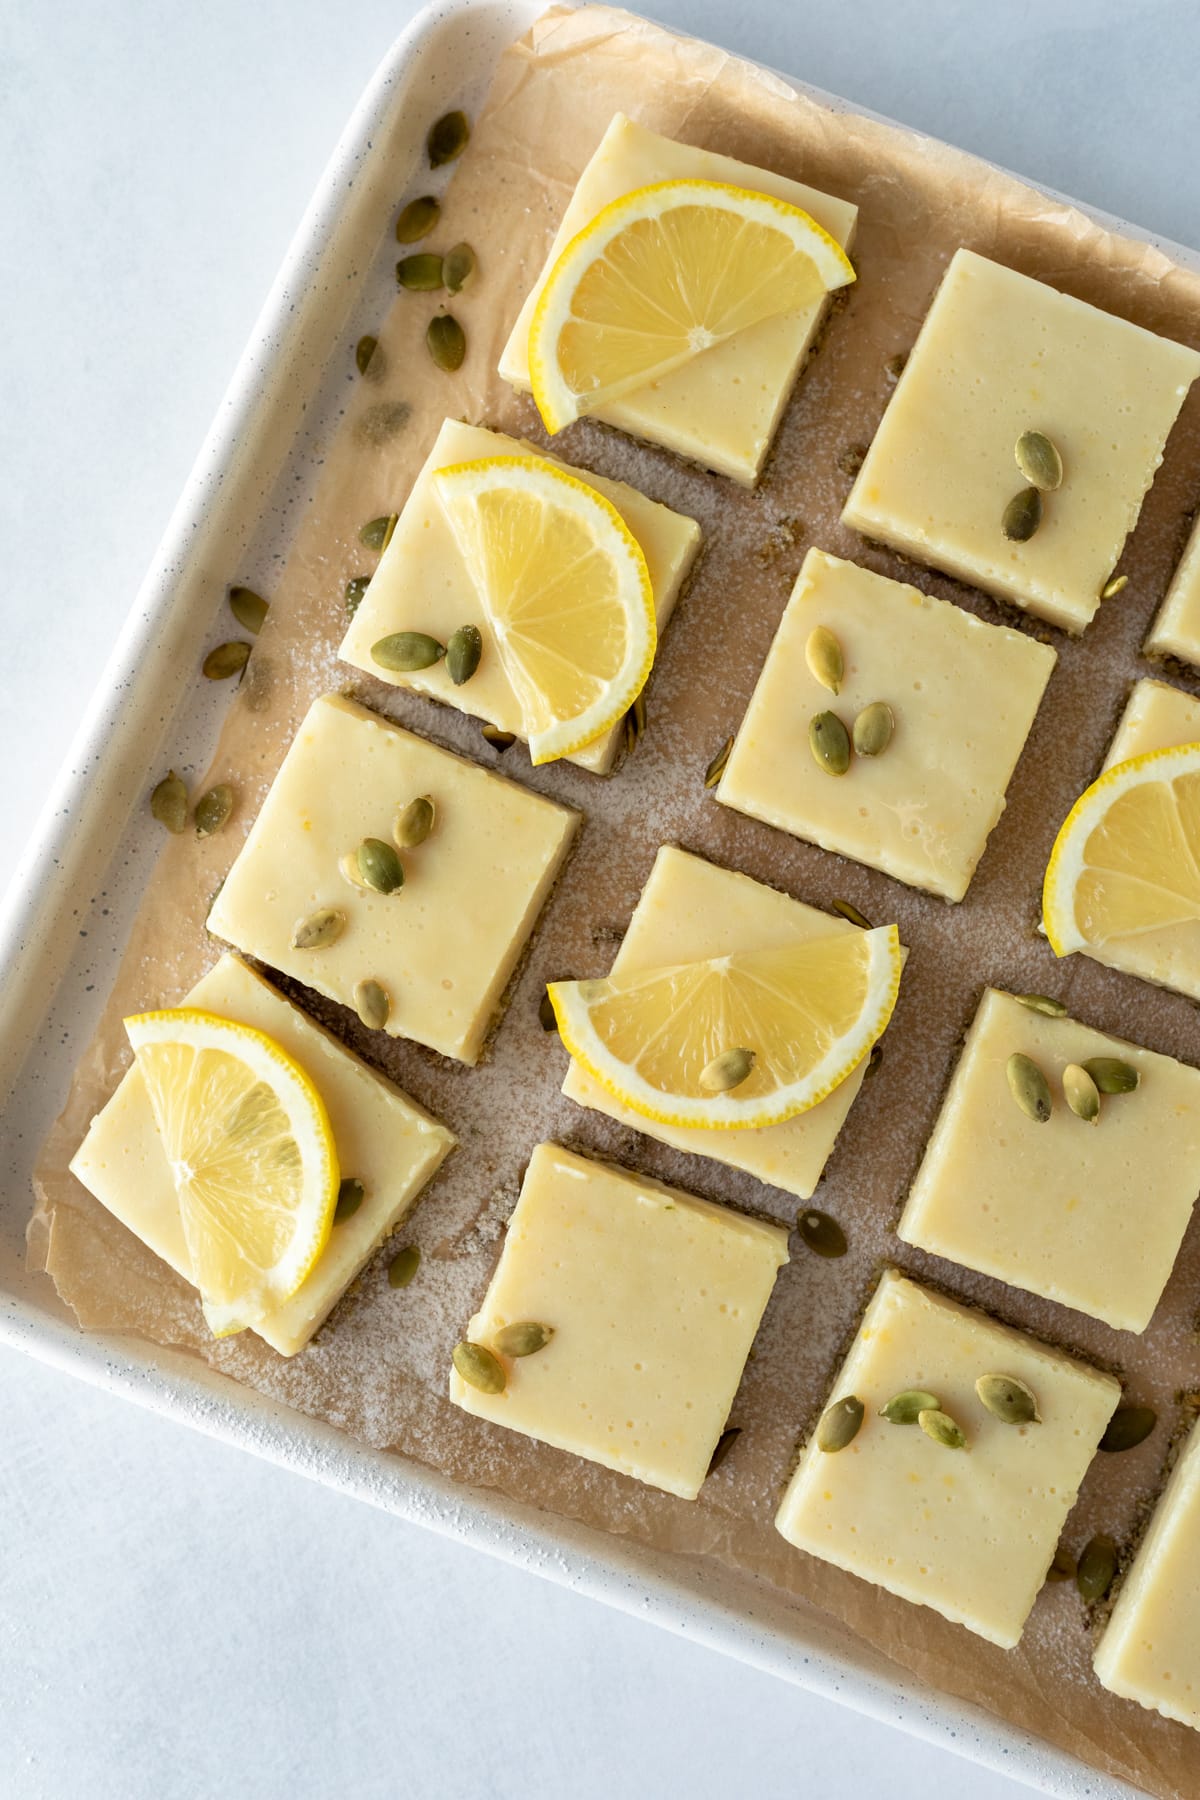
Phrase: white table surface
pixel 182 1621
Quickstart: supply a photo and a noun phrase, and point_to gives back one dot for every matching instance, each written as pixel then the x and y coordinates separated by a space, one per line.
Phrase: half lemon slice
pixel 1127 859
pixel 566 591
pixel 662 275
pixel 807 1013
pixel 251 1151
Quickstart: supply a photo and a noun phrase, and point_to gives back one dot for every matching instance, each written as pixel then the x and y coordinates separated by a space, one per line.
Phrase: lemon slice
pixel 1127 860
pixel 662 275
pixel 809 1013
pixel 566 591
pixel 251 1151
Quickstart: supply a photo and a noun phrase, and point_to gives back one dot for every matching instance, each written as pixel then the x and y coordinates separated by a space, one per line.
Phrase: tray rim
pixel 700 1601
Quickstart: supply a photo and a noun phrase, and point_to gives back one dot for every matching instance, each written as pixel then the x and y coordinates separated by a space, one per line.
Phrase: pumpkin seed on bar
pixel 939 1426
pixel 1111 1075
pixel 1096 1567
pixel 823 654
pixel 727 1071
pixel 1039 461
pixel 404 652
pixel 372 1004
pixel 213 809
pixel 225 660
pixel 840 1424
pixel 414 822
pixel 351 1194
pixel 365 352
pixel 1042 1003
pixel 1029 1087
pixel 725 1443
pixel 417 219
pixel 716 767
pixel 906 1407
pixel 1022 516
pixel 169 802
pixel 499 740
pixel 420 273
pixel 1009 1399
pixel 447 138
pixel 248 608
pixel 1128 1427
pixel 849 911
pixel 873 729
pixel 447 342
pixel 458 268
pixel 821 1233
pixel 378 866
pixel 319 929
pixel 829 742
pixel 524 1338
pixel 1113 586
pixel 376 534
pixel 404 1266
pixel 479 1368
pixel 1081 1094
pixel 463 651
pixel 356 587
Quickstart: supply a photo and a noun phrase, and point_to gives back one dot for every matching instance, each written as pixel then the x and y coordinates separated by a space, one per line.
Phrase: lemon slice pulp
pixel 252 1155
pixel 809 1012
pixel 661 275
pixel 566 592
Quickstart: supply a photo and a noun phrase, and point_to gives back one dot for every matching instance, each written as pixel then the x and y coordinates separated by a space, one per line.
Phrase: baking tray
pixel 66 916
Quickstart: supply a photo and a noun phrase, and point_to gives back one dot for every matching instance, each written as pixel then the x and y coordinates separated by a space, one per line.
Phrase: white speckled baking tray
pixel 64 920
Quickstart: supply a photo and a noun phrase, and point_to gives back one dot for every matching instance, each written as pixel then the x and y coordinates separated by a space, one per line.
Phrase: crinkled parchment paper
pixel 378 1369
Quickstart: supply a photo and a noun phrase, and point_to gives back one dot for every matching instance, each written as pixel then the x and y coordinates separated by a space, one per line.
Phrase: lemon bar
pixel 1150 1651
pixel 445 944
pixel 1000 355
pixel 422 584
pixel 652 1298
pixel 962 694
pixel 690 910
pixel 1176 628
pixel 969 1532
pixel 383 1139
pixel 722 408
pixel 1156 717
pixel 1089 1214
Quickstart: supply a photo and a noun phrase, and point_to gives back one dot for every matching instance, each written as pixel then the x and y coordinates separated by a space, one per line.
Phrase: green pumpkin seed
pixel 1128 1427
pixel 447 138
pixel 840 1424
pixel 821 1233
pixel 873 728
pixel 525 1338
pixel 725 1443
pixel 479 1368
pixel 414 822
pixel 404 1266
pixel 458 268
pixel 368 355
pixel 213 809
pixel 1081 1094
pixel 1039 461
pixel 716 767
pixel 823 654
pixel 1009 1399
pixel 169 802
pixel 372 1004
pixel 417 219
pixel 906 1407
pixel 829 742
pixel 420 274
pixel 1042 1003
pixel 1096 1568
pixel 1113 586
pixel 1022 516
pixel 727 1071
pixel 463 651
pixel 1029 1087
pixel 225 660
pixel 1111 1075
pixel 404 652
pixel 351 1194
pixel 356 587
pixel 248 608
pixel 499 740
pixel 939 1426
pixel 379 868
pixel 1062 1565
pixel 849 911
pixel 376 534
pixel 446 342
pixel 379 424
pixel 320 929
